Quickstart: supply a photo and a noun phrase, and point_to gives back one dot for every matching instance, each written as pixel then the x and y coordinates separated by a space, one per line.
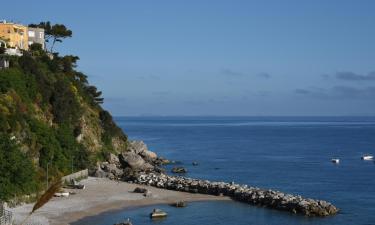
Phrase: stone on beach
pixel 179 204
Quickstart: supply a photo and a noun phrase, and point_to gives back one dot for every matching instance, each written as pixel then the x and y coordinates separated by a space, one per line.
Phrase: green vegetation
pixel 17 174
pixel 50 116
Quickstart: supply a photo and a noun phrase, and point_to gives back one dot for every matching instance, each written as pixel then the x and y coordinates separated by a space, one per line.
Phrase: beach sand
pixel 101 195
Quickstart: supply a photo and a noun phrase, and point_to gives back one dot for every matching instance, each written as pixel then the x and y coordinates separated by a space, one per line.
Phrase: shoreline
pixel 102 195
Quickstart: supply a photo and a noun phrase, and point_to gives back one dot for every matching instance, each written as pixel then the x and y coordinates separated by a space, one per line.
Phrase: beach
pixel 101 195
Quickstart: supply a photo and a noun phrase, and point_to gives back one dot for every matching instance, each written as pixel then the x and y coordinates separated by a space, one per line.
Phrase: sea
pixel 289 154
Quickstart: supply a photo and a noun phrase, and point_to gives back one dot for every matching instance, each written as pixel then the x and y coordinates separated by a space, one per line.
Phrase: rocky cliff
pixel 50 116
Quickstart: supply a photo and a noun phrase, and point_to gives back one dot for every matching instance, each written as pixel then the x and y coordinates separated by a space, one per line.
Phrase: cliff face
pixel 52 116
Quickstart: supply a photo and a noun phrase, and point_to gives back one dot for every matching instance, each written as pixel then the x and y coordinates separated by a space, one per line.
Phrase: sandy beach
pixel 101 195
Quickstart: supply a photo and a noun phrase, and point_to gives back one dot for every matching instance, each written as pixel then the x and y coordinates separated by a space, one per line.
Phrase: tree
pixel 54 33
pixel 17 173
pixel 95 94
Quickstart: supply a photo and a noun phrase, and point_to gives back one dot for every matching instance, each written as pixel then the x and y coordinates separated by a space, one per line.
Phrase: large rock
pixel 112 168
pixel 100 173
pixel 137 146
pixel 134 161
pixel 113 159
pixel 140 148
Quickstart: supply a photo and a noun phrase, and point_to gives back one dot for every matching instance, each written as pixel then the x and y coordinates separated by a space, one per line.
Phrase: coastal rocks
pixel 113 159
pixel 134 161
pixel 99 172
pixel 179 204
pixel 179 170
pixel 128 164
pixel 243 193
pixel 140 148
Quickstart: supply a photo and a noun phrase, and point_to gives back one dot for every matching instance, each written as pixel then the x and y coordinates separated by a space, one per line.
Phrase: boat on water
pixel 367 157
pixel 335 160
pixel 158 213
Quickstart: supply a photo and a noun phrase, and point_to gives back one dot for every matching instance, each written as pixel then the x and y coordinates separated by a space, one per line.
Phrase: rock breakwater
pixel 251 195
pixel 142 166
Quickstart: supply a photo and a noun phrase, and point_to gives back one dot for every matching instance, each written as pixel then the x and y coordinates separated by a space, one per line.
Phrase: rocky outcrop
pixel 140 148
pixel 251 195
pixel 128 164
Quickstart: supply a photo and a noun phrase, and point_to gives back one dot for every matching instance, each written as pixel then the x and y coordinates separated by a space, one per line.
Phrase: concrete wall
pixel 76 176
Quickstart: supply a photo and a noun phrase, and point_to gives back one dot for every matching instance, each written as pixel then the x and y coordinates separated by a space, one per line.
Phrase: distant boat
pixel 158 213
pixel 367 157
pixel 336 161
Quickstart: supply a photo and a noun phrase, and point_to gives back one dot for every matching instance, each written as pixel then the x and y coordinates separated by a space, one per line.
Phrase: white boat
pixel 367 157
pixel 158 213
pixel 337 161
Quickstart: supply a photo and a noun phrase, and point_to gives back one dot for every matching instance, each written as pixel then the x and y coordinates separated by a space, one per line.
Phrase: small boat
pixel 367 157
pixel 335 160
pixel 158 213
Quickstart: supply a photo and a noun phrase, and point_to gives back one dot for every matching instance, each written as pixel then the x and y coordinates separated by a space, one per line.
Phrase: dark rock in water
pixel 179 204
pixel 179 170
pixel 195 164
pixel 140 190
pixel 127 222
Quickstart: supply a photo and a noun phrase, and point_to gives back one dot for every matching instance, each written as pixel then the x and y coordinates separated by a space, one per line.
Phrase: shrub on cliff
pixel 17 173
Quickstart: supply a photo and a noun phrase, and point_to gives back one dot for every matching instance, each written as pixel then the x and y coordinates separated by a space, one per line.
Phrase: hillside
pixel 50 116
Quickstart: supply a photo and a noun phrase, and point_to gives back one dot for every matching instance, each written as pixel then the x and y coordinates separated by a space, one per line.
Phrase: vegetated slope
pixel 50 116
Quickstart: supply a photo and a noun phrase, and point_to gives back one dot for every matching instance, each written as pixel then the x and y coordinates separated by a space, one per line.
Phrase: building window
pixel 31 33
pixel 41 35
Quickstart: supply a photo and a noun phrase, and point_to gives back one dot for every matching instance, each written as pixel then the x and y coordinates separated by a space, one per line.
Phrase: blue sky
pixel 197 57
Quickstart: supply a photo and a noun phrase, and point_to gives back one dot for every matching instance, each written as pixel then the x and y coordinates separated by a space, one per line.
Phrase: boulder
pixel 137 147
pixel 179 204
pixel 179 170
pixel 132 160
pixel 151 156
pixel 140 148
pixel 112 168
pixel 113 159
pixel 100 173
pixel 140 190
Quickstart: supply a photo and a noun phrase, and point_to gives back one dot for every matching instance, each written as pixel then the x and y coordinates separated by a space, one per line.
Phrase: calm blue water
pixel 288 154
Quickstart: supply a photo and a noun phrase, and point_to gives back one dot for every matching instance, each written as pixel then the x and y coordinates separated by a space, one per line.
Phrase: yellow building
pixel 14 34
